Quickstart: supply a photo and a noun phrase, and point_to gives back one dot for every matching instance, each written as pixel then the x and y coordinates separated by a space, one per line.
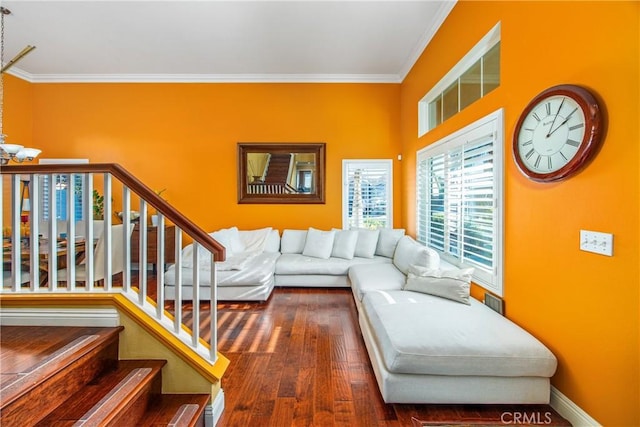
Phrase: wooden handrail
pixel 138 187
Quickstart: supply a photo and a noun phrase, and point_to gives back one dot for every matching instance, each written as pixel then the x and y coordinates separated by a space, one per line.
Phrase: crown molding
pixel 440 16
pixel 206 78
pixel 21 74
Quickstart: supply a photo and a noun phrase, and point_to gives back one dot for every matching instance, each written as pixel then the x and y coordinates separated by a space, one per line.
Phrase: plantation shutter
pixel 458 186
pixel 367 201
pixel 64 190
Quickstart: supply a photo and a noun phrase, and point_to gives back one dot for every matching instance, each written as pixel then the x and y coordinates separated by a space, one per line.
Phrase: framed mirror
pixel 281 173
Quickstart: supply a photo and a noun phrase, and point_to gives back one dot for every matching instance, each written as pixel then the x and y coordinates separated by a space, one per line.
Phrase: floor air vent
pixel 494 303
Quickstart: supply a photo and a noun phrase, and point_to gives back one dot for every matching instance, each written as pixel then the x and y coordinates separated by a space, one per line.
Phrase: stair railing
pixel 37 194
pixel 270 188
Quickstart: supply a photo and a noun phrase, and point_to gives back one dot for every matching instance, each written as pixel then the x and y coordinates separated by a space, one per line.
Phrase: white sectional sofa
pixel 428 340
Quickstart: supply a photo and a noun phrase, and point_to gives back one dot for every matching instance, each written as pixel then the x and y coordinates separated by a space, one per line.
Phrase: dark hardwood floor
pixel 299 360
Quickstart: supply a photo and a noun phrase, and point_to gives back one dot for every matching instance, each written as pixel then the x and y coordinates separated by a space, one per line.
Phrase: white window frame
pixel 478 51
pixel 43 193
pixel 364 164
pixel 490 279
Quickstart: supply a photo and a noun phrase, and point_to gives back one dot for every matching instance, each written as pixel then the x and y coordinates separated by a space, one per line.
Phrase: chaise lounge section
pixel 427 349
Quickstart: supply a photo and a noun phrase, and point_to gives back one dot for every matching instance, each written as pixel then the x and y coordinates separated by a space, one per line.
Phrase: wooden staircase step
pixel 176 410
pixel 278 170
pixel 41 366
pixel 118 397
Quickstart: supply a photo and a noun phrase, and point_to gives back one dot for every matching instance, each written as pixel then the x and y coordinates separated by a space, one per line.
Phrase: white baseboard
pixel 213 412
pixel 569 410
pixel 98 317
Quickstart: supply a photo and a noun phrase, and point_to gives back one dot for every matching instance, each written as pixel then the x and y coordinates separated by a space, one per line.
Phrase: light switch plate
pixel 596 242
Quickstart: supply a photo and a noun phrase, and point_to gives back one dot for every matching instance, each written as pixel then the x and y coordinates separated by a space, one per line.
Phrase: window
pixel 63 190
pixel 477 74
pixel 367 194
pixel 459 199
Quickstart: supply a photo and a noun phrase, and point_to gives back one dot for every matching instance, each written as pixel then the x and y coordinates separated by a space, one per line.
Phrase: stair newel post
pixel 34 214
pixel 126 230
pixel 213 306
pixel 142 253
pixel 53 233
pixel 108 238
pixel 195 329
pixel 160 267
pixel 177 321
pixel 88 232
pixel 71 231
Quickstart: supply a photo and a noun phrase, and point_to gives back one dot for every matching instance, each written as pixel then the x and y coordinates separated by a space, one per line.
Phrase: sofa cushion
pixel 255 240
pixel 423 334
pixel 273 242
pixel 230 239
pixel 319 243
pixel 300 264
pixel 388 240
pixel 368 277
pixel 344 244
pixel 409 252
pixel 451 284
pixel 367 243
pixel 292 241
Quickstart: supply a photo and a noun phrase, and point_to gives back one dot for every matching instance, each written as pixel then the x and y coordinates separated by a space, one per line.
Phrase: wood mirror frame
pixel 281 173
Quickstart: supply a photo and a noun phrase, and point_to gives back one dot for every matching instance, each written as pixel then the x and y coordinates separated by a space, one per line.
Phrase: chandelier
pixel 14 152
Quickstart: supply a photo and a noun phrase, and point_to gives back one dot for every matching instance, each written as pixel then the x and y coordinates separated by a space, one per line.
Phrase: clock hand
pixel 565 121
pixel 554 119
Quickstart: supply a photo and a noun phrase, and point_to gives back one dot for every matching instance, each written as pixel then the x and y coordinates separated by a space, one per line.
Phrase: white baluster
pixel 178 288
pixel 195 328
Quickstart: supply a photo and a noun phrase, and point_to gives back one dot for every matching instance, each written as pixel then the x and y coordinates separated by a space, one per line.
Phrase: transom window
pixel 477 74
pixel 459 199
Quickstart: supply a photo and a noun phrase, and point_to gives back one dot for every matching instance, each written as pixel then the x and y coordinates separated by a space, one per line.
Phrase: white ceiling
pixel 220 41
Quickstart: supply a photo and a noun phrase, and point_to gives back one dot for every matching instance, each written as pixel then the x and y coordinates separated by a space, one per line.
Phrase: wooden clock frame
pixel 591 141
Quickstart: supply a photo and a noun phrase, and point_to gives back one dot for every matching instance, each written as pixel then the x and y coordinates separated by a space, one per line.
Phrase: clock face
pixel 551 134
pixel 557 133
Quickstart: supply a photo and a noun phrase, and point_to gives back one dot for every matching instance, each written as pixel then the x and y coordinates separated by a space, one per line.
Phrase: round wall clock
pixel 558 133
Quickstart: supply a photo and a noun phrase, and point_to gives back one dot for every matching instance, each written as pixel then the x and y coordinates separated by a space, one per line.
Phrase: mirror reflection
pixel 280 173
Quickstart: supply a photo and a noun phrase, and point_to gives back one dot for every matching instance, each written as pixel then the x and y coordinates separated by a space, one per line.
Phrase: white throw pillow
pixel 273 242
pixel 367 243
pixel 319 243
pixel 292 241
pixel 230 239
pixel 344 243
pixel 255 240
pixel 204 257
pixel 451 284
pixel 409 252
pixel 388 240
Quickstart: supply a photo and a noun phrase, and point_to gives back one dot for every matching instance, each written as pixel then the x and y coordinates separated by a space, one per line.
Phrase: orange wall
pixel 583 306
pixel 17 114
pixel 18 111
pixel 183 137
